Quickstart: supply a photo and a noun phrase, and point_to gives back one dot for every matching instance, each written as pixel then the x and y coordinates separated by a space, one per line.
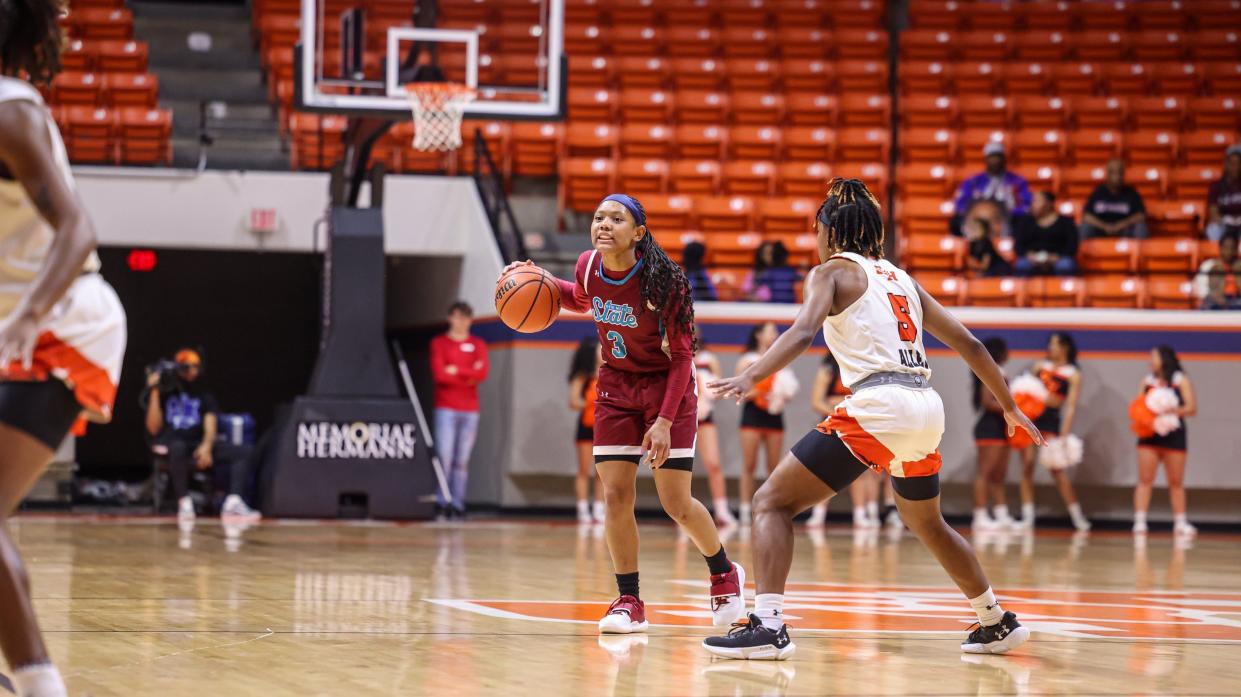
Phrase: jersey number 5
pixel 618 344
pixel 904 323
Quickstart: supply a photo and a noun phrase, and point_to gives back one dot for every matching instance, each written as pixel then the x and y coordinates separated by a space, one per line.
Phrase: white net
pixel 438 108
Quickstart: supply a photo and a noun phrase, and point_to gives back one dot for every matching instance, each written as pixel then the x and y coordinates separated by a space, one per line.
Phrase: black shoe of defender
pixel 998 638
pixel 751 640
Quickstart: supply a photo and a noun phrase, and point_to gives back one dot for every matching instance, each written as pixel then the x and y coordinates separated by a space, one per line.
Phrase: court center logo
pixel 844 609
pixel 356 440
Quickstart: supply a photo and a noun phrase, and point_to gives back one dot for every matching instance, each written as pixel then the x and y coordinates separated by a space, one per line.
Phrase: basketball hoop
pixel 438 109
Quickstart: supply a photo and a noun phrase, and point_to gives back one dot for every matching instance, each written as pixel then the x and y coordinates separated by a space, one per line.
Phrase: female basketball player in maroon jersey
pixel 583 375
pixel 646 409
pixel 62 330
pixel 874 317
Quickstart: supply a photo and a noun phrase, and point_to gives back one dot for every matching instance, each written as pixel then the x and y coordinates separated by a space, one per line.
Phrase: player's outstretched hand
pixel 1016 420
pixel 726 388
pixel 515 265
pixel 658 443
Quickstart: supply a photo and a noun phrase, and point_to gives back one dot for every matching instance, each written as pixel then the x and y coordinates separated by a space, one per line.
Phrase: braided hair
pixel 850 213
pixel 30 38
pixel 662 280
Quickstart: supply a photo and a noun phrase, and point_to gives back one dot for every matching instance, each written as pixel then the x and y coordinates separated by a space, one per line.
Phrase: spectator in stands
pixel 1006 188
pixel 693 261
pixel 1044 240
pixel 983 259
pixel 772 280
pixel 1218 277
pixel 458 363
pixel 183 415
pixel 1115 209
pixel 1224 199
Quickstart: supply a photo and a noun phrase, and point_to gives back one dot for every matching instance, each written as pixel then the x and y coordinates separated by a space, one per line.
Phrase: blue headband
pixel 631 205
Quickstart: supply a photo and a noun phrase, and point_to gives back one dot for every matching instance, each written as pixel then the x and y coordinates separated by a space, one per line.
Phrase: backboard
pixel 357 63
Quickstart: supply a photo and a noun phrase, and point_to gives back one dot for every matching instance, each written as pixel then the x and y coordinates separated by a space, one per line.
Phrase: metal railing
pixel 490 183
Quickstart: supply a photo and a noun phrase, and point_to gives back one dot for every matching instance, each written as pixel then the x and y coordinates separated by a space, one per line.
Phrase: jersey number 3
pixel 904 323
pixel 618 344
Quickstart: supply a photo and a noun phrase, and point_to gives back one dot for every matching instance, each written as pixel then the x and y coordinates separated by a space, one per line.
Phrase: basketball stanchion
pixel 422 421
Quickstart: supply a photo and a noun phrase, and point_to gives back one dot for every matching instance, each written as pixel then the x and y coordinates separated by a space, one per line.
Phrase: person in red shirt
pixel 646 411
pixel 458 364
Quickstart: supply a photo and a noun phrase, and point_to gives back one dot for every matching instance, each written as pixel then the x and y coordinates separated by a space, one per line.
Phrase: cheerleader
pixel 762 414
pixel 707 367
pixel 828 392
pixel 990 438
pixel 1169 394
pixel 583 377
pixel 1063 380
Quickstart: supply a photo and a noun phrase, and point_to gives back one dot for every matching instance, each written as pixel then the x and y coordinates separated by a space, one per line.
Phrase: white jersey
pixel 24 235
pixel 881 332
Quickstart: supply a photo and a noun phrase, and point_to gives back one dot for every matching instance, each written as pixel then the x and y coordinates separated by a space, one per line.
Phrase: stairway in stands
pixel 215 89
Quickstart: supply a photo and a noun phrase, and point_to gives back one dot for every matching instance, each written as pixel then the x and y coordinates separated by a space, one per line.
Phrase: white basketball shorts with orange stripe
pixel 891 428
pixel 81 343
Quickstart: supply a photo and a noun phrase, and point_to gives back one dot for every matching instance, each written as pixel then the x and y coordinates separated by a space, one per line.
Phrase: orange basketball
pixel 527 299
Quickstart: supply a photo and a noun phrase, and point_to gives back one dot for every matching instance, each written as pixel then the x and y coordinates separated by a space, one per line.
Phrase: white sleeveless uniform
pixel 82 340
pixel 889 427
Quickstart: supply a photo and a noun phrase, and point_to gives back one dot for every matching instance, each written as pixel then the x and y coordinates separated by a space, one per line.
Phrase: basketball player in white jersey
pixel 62 329
pixel 873 316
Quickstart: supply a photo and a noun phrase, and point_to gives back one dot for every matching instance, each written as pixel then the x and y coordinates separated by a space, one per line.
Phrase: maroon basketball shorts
pixel 627 406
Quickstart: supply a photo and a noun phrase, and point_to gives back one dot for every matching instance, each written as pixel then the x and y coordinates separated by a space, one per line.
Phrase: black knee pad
pixel 829 459
pixel 917 488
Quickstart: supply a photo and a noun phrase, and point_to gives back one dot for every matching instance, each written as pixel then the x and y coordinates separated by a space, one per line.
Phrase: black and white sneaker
pixel 998 638
pixel 751 640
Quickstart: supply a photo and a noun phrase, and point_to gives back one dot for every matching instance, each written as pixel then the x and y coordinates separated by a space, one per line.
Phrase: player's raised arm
pixel 948 329
pixel 820 293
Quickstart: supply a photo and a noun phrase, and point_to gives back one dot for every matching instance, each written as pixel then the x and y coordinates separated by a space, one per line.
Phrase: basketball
pixel 527 299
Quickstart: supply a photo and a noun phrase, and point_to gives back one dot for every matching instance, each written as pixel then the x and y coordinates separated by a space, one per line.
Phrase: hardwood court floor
pixel 134 607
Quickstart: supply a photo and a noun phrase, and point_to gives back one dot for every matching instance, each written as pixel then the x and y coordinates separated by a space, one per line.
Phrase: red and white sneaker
pixel 626 615
pixel 728 596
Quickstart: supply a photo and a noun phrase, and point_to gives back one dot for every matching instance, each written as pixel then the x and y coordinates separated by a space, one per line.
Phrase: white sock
pixel 1027 511
pixel 1139 516
pixel 583 506
pixel 720 505
pixel 41 680
pixel 1075 511
pixel 745 512
pixel 872 510
pixel 1001 512
pixel 769 607
pixel 859 512
pixel 1180 519
pixel 981 512
pixel 988 608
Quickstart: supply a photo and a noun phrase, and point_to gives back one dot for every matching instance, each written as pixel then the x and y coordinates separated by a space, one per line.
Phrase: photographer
pixel 182 414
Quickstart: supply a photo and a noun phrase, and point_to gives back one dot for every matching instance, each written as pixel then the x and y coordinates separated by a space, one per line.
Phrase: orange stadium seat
pixel 79 56
pixel 645 106
pixel 1038 146
pixel 983 45
pixel 674 244
pixel 724 213
pixel 1176 79
pixel 1171 294
pixel 705 74
pixel 536 148
pixel 1072 78
pixel 1108 255
pixel 1162 14
pixel 1026 80
pixel 996 292
pixel 859 110
pixel 807 75
pixel 1095 145
pixel 924 78
pixel 804 143
pixel 799 13
pixel 700 141
pixel 802 178
pixel 927 44
pixel 1115 291
pixel 743 13
pixel 1215 112
pixel 675 212
pixel 752 41
pixel 975 78
pixel 1041 45
pixel 1113 16
pixel 928 145
pixel 645 140
pixel 584 181
pixel 945 253
pixel 126 89
pixel 1099 112
pixel 1125 79
pixel 1193 183
pixel 732 248
pixel 810 109
pixel 804 42
pixel 144 135
pixel 1099 46
pixel 642 72
pixel 583 12
pixel 752 74
pixel 1062 291
pixel 1159 45
pixel 524 37
pixel 1216 44
pixel 978 112
pixel 759 109
pixel 928 111
pixel 1039 112
pixel 89 134
pixel 874 174
pixel 495 135
pixel 1152 147
pixel 748 177
pixel 862 77
pixel 635 40
pixel 587 104
pixel 923 216
pixel 728 283
pixel 948 290
pixel 82 89
pixel 122 56
pixel 1043 178
pixel 870 44
pixel 754 142
pixel 698 106
pixel 694 176
pixel 856 14
pixel 1168 255
pixel 787 216
pixel 105 23
pixel 1222 79
pixel 1175 218
pixel 1150 181
pixel 693 41
pixel 1206 147
pixel 584 39
pixel 591 140
pixel 937 14
pixel 934 181
pixel 972 142
pixel 1157 112
pixel 633 13
pixel 641 176
pixel 863 145
pixel 993 16
pixel 1044 14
